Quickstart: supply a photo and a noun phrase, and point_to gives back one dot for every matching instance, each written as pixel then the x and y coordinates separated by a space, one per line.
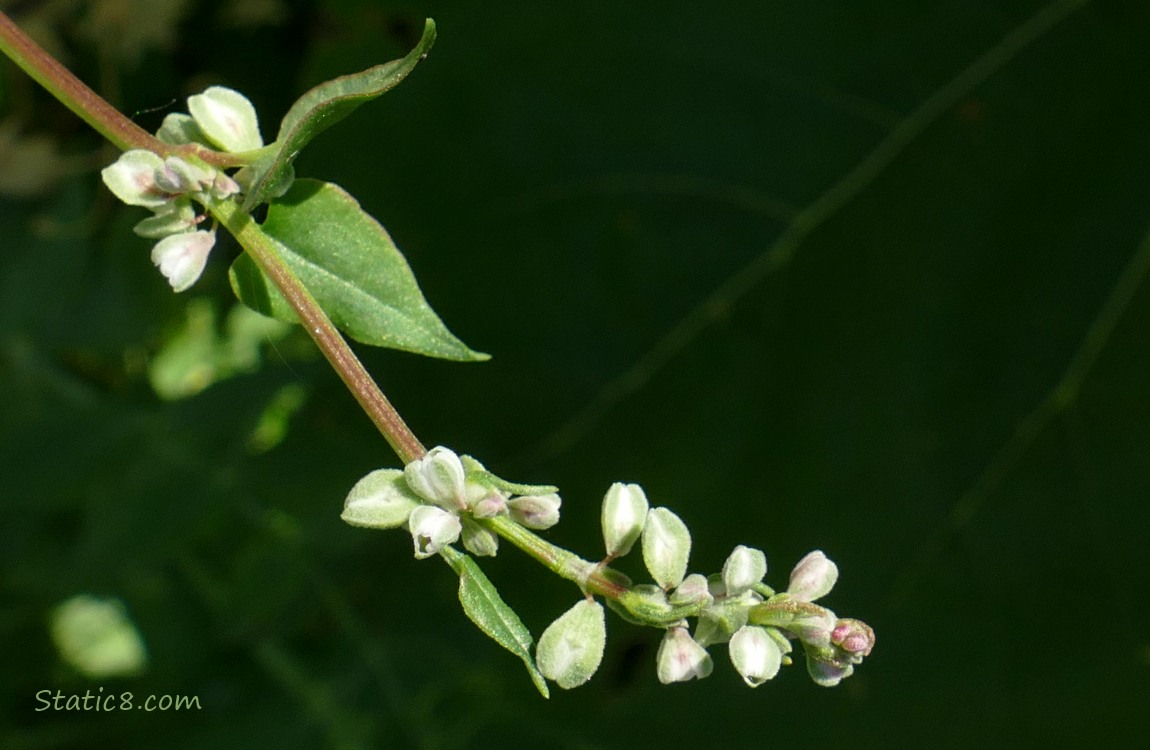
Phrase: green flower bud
pixel 571 648
pixel 693 590
pixel 813 577
pixel 432 529
pixel 438 478
pixel 743 569
pixel 381 500
pixel 824 669
pixel 227 118
pixel 666 547
pixel 132 178
pixel 536 511
pixel 681 659
pixel 176 217
pixel 478 539
pixel 755 654
pixel 624 514
pixel 179 129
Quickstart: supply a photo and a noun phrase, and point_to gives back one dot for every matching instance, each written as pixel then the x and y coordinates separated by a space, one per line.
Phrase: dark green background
pixel 865 277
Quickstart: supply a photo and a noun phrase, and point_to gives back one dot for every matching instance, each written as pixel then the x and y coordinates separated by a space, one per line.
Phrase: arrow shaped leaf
pixel 319 109
pixel 351 266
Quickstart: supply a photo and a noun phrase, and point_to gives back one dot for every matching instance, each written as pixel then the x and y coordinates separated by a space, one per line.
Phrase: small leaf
pixel 323 106
pixel 353 269
pixel 483 605
pixel 477 472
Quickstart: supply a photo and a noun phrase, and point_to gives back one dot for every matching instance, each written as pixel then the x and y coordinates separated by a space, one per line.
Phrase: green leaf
pixel 323 106
pixel 353 269
pixel 491 614
pixel 476 471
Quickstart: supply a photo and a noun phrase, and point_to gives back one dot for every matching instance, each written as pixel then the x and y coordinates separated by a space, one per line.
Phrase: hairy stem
pixel 262 250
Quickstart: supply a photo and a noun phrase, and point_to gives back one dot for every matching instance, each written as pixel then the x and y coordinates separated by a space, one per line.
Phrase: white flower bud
pixel 227 118
pixel 536 511
pixel 624 513
pixel 132 178
pixel 814 576
pixel 755 654
pixel 381 500
pixel 571 648
pixel 680 658
pixel 182 257
pixel 666 547
pixel 432 529
pixel 223 186
pixel 479 540
pixel 438 478
pixel 744 568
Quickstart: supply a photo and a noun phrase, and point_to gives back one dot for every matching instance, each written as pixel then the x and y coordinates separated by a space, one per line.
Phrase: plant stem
pixel 260 247
pixel 90 106
pixel 594 578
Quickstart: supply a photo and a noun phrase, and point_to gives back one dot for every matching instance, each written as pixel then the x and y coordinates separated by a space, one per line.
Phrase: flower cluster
pixel 442 498
pixel 439 498
pixel 220 118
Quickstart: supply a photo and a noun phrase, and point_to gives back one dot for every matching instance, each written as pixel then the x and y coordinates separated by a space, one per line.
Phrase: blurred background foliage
pixel 866 277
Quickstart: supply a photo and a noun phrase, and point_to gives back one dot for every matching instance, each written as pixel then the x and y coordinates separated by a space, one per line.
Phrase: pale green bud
pixel 176 217
pixel 724 617
pixel 181 257
pixel 432 529
pixel 381 500
pixel 571 648
pixel 693 590
pixel 438 478
pixel 666 547
pixel 179 129
pixel 813 577
pixel 624 513
pixel 227 118
pixel 479 540
pixel 132 178
pixel 536 511
pixel 743 569
pixel 755 654
pixel 824 669
pixel 680 658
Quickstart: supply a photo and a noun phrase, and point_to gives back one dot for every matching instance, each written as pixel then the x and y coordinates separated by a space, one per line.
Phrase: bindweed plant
pixel 319 260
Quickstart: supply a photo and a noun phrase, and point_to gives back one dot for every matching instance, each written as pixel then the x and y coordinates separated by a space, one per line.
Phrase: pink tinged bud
pixel 624 514
pixel 479 540
pixel 571 648
pixel 381 500
pixel 680 658
pixel 182 257
pixel 432 529
pixel 854 637
pixel 536 511
pixel 179 176
pixel 438 478
pixel 489 506
pixel 813 577
pixel 666 547
pixel 743 569
pixel 755 654
pixel 227 118
pixel 224 187
pixel 132 178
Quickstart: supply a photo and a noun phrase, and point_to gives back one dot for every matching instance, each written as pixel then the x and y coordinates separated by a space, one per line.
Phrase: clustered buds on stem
pixel 443 497
pixel 220 118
